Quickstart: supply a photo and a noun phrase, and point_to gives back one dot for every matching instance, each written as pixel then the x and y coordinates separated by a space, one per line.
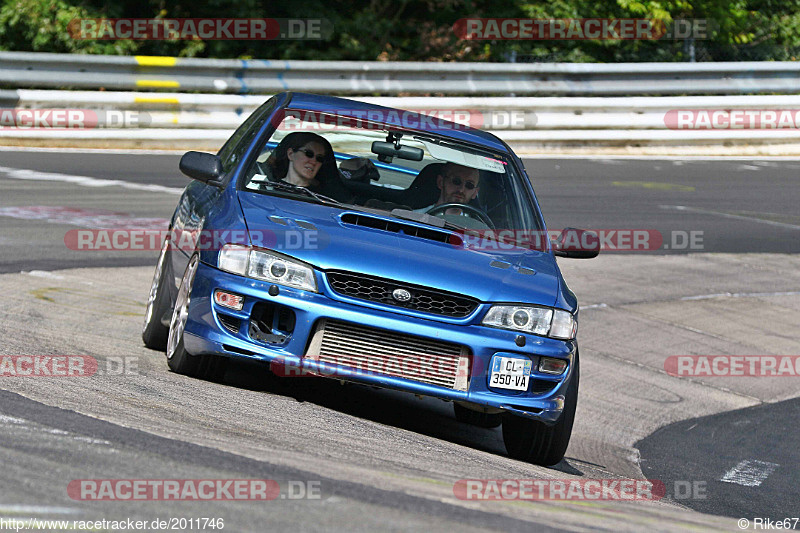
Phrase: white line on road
pixel 23 424
pixel 749 473
pixel 84 181
pixel 122 151
pixel 729 215
pixel 740 295
pixel 36 509
pixel 5 419
pixel 677 158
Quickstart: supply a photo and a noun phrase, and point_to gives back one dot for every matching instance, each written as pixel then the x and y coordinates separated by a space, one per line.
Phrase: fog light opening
pixel 550 365
pixel 271 323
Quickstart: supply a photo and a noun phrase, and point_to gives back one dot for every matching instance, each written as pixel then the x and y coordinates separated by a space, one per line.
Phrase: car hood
pixel 315 234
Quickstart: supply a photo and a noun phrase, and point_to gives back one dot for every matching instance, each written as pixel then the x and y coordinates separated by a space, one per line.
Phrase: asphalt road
pixel 387 460
pixel 696 205
pixel 754 442
pixel 48 447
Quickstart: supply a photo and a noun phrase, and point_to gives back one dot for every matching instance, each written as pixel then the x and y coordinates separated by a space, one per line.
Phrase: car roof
pixel 355 109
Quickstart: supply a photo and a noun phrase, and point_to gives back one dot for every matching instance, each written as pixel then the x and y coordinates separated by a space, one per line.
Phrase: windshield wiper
pixel 289 187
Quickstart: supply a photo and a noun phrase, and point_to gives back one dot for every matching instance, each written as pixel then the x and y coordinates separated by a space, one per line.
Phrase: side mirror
pixel 202 167
pixel 577 244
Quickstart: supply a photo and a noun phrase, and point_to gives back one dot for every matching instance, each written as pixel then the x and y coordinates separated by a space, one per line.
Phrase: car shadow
pixel 424 415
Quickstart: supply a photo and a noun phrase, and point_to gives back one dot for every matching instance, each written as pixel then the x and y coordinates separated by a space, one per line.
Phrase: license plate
pixel 510 373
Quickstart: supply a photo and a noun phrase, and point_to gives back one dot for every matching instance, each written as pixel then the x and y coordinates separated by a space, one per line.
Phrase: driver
pixel 457 185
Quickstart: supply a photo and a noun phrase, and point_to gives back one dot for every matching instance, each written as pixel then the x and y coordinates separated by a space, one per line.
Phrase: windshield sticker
pixel 445 153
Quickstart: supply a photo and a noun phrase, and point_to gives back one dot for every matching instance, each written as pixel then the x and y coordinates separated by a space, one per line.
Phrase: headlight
pixel 233 258
pixel 280 269
pixel 268 266
pixel 537 320
pixel 564 325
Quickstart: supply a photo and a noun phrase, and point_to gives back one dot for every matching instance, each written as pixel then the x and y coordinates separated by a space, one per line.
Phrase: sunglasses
pixel 310 154
pixel 469 185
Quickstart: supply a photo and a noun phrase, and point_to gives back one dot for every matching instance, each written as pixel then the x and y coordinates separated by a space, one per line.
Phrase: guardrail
pixel 167 120
pixel 74 71
pixel 209 111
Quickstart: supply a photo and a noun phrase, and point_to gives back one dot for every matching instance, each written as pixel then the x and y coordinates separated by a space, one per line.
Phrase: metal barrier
pixel 169 120
pixel 74 71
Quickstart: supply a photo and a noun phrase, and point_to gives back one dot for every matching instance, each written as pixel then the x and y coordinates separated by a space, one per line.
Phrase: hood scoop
pixel 395 226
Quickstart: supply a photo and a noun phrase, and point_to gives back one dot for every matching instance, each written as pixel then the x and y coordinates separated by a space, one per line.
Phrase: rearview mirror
pixel 577 244
pixel 202 166
pixel 389 150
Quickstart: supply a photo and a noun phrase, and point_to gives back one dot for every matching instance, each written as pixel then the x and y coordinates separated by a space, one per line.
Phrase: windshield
pixel 420 175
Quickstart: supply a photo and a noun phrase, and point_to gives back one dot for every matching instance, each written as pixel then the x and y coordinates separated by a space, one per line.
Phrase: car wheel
pixel 474 418
pixel 536 442
pixel 178 359
pixel 154 333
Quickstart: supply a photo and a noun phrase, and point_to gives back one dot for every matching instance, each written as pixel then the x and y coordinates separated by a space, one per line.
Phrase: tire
pixel 536 442
pixel 474 418
pixel 154 333
pixel 178 359
pixel 210 367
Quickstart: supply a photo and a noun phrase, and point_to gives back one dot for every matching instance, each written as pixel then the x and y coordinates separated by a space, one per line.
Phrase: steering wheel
pixel 470 211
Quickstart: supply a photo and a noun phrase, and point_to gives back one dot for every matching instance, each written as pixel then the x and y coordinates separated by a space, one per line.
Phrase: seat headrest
pixel 423 191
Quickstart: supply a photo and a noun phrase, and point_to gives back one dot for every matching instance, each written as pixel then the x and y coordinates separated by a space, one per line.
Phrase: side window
pixel 233 150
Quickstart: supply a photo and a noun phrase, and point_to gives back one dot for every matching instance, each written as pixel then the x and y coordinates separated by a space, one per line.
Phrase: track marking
pixel 678 158
pixel 739 295
pixel 654 185
pixel 728 215
pixel 88 218
pixel 83 181
pixel 131 151
pixel 5 419
pixel 749 473
pixel 43 274
pixel 36 509
pixel 24 425
pixel 593 306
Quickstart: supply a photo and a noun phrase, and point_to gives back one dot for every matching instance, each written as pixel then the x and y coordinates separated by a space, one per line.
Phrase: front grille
pixel 422 299
pixel 376 351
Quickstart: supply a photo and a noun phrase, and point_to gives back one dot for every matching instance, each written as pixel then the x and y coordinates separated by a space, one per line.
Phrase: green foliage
pixel 42 26
pixel 420 30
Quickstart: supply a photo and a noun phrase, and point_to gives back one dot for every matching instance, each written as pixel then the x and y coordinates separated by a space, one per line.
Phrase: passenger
pixel 306 159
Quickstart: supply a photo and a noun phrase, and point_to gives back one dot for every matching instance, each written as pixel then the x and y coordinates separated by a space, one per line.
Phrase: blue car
pixel 335 238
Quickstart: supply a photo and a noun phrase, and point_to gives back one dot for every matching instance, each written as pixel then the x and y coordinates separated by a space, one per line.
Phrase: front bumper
pixel 206 334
